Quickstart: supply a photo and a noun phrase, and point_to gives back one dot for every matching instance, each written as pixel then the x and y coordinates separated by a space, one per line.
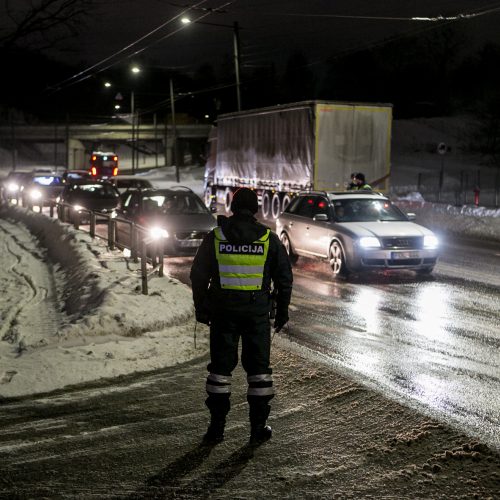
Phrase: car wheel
pixel 424 271
pixel 338 261
pixel 288 247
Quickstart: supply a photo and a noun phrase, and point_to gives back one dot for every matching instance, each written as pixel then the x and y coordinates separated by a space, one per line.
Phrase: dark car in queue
pixel 75 175
pixel 127 182
pixel 176 216
pixel 79 197
pixel 356 232
pixel 13 185
pixel 42 190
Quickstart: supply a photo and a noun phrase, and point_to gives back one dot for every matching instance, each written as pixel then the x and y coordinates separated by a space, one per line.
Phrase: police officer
pixel 231 277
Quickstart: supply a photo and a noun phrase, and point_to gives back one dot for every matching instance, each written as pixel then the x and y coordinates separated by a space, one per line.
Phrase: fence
pixel 478 187
pixel 142 247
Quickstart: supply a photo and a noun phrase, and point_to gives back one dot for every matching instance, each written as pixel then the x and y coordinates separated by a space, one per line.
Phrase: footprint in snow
pixel 7 377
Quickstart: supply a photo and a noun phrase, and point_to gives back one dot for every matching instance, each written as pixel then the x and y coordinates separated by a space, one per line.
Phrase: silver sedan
pixel 356 231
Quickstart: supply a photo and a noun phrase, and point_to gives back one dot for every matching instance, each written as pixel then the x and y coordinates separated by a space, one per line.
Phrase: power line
pixel 83 75
pixel 457 17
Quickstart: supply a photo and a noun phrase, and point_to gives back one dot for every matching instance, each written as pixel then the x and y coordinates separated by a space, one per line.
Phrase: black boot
pixel 219 407
pixel 215 431
pixel 259 431
pixel 260 434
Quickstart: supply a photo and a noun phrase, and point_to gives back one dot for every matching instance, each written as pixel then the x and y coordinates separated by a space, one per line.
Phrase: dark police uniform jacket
pixel 208 296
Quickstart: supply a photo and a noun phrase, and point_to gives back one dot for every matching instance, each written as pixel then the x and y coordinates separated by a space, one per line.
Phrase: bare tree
pixel 40 24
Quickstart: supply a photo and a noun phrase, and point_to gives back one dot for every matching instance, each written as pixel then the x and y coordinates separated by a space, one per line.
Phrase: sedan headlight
pixel 12 187
pixel 369 242
pixel 158 232
pixel 78 208
pixel 430 241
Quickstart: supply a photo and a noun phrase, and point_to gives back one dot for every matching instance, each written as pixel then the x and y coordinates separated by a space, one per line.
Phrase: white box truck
pixel 312 145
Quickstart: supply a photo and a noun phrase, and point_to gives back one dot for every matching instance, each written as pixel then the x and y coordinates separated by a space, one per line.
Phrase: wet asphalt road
pixel 431 342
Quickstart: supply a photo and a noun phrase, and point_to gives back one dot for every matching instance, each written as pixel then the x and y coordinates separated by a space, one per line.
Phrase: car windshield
pixel 366 210
pixel 173 204
pixel 48 180
pixel 94 190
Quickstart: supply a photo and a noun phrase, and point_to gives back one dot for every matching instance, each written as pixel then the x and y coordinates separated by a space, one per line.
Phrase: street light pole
pixel 236 51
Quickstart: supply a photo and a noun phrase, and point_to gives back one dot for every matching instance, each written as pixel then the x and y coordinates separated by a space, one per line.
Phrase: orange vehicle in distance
pixel 103 165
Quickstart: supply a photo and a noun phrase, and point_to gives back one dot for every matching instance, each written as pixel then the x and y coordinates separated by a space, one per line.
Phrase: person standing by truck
pixel 360 182
pixel 232 274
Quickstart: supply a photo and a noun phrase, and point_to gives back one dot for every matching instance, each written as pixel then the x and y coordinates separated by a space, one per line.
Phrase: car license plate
pixel 190 243
pixel 405 255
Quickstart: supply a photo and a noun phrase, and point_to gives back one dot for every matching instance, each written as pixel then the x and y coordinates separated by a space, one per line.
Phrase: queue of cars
pixel 355 231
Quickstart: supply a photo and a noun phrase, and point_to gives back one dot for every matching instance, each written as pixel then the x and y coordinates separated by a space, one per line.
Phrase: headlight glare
pixel 35 194
pixel 158 232
pixel 369 242
pixel 12 187
pixel 430 241
pixel 77 207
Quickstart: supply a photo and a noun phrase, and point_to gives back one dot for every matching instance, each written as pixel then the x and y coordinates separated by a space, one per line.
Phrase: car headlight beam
pixel 369 242
pixel 157 233
pixel 430 241
pixel 35 194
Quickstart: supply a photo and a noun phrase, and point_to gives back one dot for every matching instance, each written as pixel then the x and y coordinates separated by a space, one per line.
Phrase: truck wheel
pixel 208 196
pixel 228 198
pixel 285 202
pixel 288 247
pixel 275 206
pixel 338 261
pixel 266 204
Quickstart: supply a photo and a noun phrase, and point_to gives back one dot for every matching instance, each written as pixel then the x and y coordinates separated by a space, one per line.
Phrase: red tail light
pixel 115 171
pixel 93 171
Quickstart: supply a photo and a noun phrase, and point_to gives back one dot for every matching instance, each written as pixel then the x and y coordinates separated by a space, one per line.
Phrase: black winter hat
pixel 244 198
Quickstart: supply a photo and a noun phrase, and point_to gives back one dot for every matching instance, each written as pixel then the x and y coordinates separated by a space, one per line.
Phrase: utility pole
pixel 236 51
pixel 132 112
pixel 174 131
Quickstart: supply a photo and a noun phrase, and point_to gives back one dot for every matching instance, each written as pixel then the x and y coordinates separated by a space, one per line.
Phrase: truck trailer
pixel 282 150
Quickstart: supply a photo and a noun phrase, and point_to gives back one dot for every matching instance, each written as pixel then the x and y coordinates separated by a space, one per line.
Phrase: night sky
pixel 114 34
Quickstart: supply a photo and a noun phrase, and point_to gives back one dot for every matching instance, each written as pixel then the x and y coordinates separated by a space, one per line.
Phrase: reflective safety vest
pixel 241 266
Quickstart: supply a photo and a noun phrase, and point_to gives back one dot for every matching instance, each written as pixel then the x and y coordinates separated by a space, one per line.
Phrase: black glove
pixel 202 317
pixel 280 321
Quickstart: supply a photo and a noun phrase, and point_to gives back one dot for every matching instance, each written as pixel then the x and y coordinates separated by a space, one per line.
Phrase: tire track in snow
pixel 33 315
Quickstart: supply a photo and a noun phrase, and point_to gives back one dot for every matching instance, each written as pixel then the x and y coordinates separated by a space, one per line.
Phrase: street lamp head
pixel 107 84
pixel 185 20
pixel 117 106
pixel 135 69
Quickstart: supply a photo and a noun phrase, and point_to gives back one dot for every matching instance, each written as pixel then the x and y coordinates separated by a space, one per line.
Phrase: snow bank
pixel 107 326
pixel 466 221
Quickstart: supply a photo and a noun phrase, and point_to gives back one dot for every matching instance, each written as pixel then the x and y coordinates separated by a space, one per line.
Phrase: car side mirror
pixel 321 217
pixel 411 216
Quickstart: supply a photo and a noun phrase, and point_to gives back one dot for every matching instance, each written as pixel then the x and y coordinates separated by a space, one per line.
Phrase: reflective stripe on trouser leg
pixel 260 385
pixel 218 384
